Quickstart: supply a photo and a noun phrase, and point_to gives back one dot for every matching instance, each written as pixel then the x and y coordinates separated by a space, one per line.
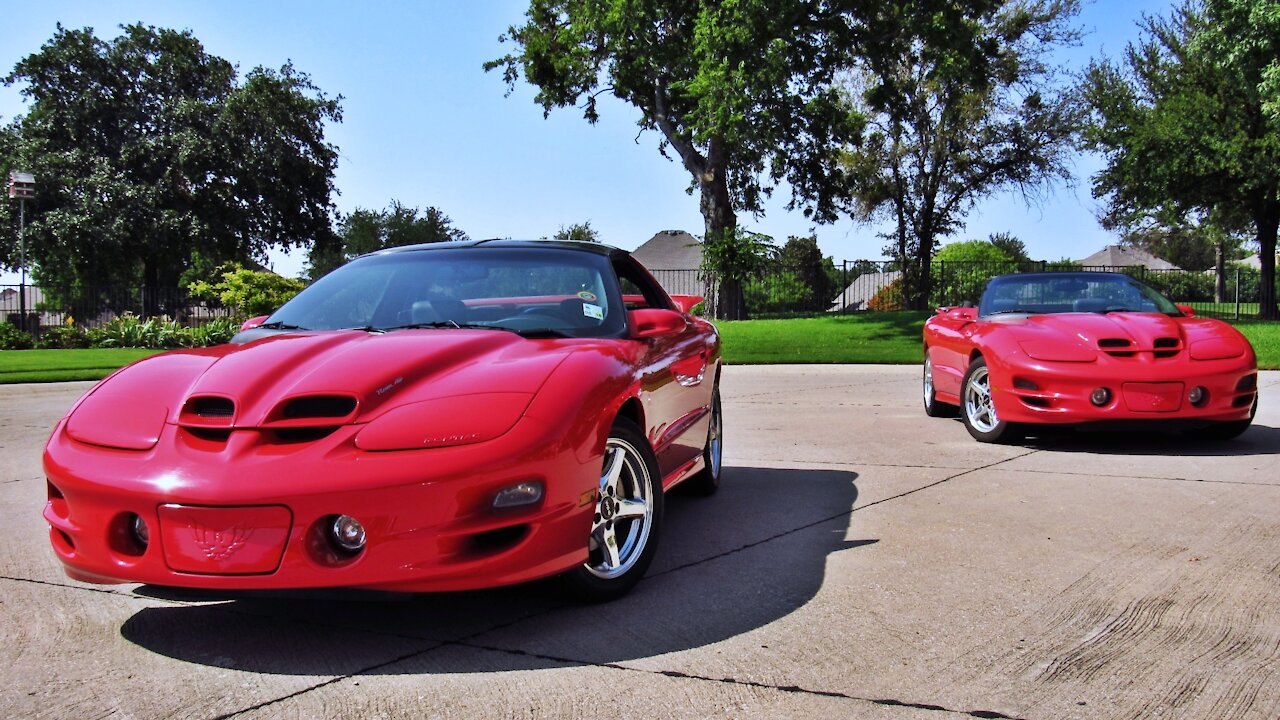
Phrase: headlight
pixel 445 422
pixel 126 422
pixel 1057 351
pixel 1218 348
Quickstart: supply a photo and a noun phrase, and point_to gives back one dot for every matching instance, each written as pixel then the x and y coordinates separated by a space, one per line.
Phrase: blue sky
pixel 424 124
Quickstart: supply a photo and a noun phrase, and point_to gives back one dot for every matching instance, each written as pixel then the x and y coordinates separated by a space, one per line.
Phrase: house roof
pixel 670 250
pixel 1117 256
pixel 861 291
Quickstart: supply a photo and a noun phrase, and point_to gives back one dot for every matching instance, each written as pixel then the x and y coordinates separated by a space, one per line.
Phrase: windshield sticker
pixel 593 311
pixel 587 296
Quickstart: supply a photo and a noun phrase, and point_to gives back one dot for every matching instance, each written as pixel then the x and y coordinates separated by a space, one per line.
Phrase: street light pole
pixel 23 187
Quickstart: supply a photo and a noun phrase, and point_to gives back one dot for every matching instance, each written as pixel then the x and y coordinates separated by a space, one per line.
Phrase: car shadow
pixel 1257 440
pixel 728 564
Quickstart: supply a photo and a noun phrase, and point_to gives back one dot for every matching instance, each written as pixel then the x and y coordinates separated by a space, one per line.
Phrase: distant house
pixel 862 290
pixel 675 259
pixel 1115 256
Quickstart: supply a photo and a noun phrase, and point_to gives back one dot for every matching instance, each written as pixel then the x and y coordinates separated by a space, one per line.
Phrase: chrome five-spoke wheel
pixel 627 517
pixel 979 407
pixel 624 512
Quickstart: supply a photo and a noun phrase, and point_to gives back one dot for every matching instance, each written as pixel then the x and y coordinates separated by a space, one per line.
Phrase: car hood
pixel 347 376
pixel 1080 336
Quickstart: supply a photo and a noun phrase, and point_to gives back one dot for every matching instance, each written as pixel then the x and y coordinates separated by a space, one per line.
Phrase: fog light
pixel 347 533
pixel 140 531
pixel 1100 396
pixel 525 493
pixel 1197 395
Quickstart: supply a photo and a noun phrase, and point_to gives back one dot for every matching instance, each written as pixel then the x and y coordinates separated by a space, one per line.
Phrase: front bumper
pixel 1141 389
pixel 247 513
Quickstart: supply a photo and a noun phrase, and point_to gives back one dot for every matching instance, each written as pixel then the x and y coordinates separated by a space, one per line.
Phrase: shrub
pixel 11 338
pixel 249 291
pixel 888 297
pixel 130 331
pixel 63 337
pixel 214 332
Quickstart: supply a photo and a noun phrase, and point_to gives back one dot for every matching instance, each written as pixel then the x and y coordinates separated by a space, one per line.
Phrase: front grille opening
pixel 214 435
pixel 1022 383
pixel 303 434
pixel 211 407
pixel 63 541
pixel 1248 382
pixel 54 492
pixel 319 406
pixel 57 503
pixel 497 540
pixel 1036 402
pixel 1242 401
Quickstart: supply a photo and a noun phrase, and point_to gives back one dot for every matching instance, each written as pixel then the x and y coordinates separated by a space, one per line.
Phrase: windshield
pixel 1048 293
pixel 532 291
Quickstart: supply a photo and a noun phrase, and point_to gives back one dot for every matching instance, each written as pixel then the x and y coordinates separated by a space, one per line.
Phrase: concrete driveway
pixel 861 561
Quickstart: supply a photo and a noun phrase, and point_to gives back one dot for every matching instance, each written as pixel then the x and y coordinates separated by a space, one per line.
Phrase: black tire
pixel 707 481
pixel 1230 430
pixel 978 410
pixel 933 407
pixel 628 518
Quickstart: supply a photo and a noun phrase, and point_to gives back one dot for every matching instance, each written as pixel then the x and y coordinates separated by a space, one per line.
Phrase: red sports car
pixel 438 417
pixel 1085 347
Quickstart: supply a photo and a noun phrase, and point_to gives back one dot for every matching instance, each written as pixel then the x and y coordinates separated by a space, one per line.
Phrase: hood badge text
pixel 389 386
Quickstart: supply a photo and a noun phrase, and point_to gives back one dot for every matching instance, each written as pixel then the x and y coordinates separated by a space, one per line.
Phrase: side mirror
pixel 1187 310
pixel 654 322
pixel 253 322
pixel 687 302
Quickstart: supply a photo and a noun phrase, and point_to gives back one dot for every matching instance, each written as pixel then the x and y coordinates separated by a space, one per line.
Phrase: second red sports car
pixel 1085 348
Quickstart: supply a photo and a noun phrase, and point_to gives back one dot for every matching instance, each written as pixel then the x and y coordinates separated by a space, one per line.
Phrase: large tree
pixel 1186 127
pixel 743 92
pixel 148 150
pixel 365 231
pixel 947 129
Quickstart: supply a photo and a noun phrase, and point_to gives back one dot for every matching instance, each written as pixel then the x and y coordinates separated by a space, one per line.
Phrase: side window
pixel 638 290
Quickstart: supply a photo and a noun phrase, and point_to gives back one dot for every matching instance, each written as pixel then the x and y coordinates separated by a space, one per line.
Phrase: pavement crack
pixel 794 689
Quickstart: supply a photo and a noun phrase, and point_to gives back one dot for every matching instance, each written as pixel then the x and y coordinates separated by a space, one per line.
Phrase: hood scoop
pixel 1161 347
pixel 327 407
pixel 208 411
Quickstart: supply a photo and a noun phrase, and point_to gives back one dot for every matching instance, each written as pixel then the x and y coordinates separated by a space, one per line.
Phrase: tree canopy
pixel 365 231
pixel 743 93
pixel 578 231
pixel 974 108
pixel 147 149
pixel 1187 124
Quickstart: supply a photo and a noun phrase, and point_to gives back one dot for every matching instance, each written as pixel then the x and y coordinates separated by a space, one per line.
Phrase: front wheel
pixel 627 520
pixel 932 406
pixel 707 481
pixel 978 407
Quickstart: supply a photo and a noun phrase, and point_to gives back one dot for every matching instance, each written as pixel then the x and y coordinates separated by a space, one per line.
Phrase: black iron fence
pixel 861 285
pixel 90 307
pixel 852 286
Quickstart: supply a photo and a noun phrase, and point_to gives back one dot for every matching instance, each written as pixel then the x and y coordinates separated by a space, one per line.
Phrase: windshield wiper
pixel 542 332
pixel 278 325
pixel 1014 311
pixel 441 324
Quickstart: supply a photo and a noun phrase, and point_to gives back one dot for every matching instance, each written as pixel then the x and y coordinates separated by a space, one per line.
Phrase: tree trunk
pixel 1220 269
pixel 1267 220
pixel 721 222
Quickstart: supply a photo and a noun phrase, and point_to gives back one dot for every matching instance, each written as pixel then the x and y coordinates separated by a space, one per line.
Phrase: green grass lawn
pixel 23 366
pixel 888 337
pixel 892 337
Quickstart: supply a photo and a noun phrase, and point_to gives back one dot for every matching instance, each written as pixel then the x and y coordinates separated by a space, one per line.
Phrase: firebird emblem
pixel 220 544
